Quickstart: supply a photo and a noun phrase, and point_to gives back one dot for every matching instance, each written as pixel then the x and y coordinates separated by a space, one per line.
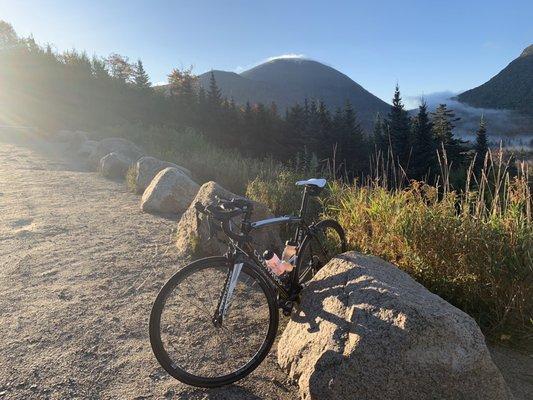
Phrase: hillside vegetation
pixel 511 88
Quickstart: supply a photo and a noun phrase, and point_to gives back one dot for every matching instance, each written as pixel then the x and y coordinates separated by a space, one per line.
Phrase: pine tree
pixel 324 149
pixel 214 96
pixel 424 147
pixel 141 79
pixel 246 135
pixel 379 139
pixel 337 137
pixel 481 147
pixel 442 128
pixel 354 147
pixel 99 69
pixel 399 130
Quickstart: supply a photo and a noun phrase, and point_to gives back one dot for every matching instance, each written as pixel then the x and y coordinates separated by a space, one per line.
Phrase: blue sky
pixel 425 46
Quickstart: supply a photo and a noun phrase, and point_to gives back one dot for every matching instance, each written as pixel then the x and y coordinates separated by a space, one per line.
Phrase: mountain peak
pixel 528 51
pixel 511 88
pixel 290 79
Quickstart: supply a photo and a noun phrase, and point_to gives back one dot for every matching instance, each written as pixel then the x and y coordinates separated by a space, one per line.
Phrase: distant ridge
pixel 287 81
pixel 511 88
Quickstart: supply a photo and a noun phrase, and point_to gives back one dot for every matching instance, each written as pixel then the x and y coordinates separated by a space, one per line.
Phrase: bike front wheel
pixel 195 347
pixel 325 240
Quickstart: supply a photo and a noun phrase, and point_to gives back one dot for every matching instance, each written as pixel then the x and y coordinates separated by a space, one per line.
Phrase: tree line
pixel 422 144
pixel 52 90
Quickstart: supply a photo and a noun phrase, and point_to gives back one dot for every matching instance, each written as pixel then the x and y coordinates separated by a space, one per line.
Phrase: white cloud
pixel 241 68
pixel 290 55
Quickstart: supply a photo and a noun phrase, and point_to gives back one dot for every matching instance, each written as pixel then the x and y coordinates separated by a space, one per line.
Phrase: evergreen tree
pixel 246 133
pixel 481 147
pixel 324 149
pixel 379 138
pixel 214 96
pixel 442 128
pixel 399 130
pixel 353 146
pixel 141 79
pixel 336 138
pixel 424 148
pixel 99 69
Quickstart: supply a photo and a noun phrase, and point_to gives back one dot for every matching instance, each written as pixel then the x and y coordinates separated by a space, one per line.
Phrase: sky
pixel 424 46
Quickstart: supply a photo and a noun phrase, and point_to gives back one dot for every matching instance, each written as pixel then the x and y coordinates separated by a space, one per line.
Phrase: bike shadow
pixel 362 314
pixel 340 287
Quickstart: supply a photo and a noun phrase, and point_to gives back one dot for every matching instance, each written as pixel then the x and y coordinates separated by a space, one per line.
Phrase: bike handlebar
pixel 224 210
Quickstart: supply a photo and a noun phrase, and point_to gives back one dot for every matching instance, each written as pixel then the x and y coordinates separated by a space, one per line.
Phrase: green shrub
pixel 190 149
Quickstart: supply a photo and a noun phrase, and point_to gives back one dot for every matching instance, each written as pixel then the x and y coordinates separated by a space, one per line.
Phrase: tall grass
pixel 473 246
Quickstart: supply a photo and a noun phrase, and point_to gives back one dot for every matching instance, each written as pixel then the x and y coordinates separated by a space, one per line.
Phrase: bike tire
pixel 307 254
pixel 158 347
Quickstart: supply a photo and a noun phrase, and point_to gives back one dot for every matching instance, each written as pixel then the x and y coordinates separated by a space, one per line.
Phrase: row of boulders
pixel 166 188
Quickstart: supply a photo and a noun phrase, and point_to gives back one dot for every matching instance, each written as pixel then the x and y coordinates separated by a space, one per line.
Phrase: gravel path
pixel 80 266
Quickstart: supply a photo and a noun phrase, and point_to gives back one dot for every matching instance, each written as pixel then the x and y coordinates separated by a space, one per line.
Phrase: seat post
pixel 303 209
pixel 305 199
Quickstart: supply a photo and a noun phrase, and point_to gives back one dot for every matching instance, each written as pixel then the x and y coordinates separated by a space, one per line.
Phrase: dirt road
pixel 79 268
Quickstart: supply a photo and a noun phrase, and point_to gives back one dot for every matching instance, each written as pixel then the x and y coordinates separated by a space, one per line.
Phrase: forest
pixel 56 91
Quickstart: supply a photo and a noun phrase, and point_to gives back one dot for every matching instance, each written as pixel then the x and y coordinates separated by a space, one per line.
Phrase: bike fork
pixel 227 294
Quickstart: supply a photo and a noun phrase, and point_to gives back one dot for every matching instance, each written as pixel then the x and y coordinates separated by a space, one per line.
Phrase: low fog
pixel 511 128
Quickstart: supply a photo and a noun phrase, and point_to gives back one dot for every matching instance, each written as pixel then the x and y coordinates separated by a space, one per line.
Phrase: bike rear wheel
pixel 325 241
pixel 197 350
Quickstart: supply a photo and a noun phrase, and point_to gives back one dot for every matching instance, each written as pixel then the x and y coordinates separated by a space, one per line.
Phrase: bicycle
pixel 216 319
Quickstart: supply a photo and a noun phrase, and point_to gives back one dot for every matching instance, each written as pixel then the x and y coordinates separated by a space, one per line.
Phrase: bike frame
pixel 241 252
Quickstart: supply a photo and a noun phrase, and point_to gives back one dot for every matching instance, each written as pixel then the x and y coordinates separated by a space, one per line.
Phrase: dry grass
pixel 473 247
pixel 131 183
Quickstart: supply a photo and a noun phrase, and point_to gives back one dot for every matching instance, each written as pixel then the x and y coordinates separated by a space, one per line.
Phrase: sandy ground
pixel 79 268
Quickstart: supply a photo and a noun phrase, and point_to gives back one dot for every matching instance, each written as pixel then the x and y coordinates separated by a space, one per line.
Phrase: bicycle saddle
pixel 319 183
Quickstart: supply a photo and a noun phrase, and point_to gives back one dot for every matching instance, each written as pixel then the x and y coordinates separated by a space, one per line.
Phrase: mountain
pixel 511 88
pixel 287 81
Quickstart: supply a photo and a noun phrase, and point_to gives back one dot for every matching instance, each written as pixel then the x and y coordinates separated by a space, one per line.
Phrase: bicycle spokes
pixel 214 322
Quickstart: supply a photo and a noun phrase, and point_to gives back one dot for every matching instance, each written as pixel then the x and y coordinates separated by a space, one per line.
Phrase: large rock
pixel 192 237
pixel 147 167
pixel 367 330
pixel 114 165
pixel 171 191
pixel 115 145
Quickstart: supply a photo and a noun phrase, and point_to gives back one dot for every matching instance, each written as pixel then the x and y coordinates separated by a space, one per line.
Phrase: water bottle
pixel 289 254
pixel 279 267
